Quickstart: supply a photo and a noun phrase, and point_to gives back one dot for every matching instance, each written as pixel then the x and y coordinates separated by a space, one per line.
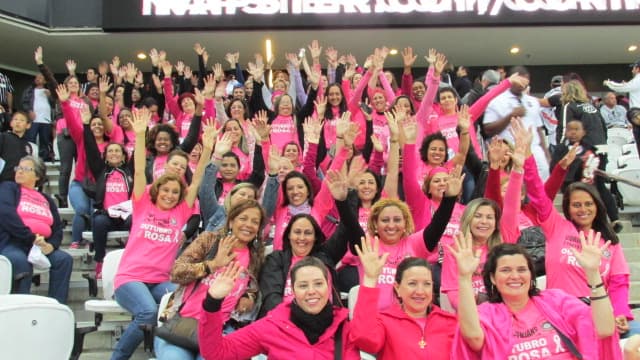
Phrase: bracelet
pixel 464 133
pixel 206 268
pixel 594 298
pixel 594 287
pixel 340 137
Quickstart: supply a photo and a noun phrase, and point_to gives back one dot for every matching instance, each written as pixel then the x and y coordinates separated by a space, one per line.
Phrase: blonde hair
pixel 574 91
pixel 469 213
pixel 382 204
pixel 242 185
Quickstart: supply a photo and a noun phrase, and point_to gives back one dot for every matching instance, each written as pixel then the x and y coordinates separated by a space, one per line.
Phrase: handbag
pixel 38 259
pixel 181 330
pixel 533 240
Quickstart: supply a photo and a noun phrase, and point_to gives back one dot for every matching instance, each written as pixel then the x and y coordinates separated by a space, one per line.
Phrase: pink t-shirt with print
pixel 193 306
pixel 158 165
pixel 449 277
pixel 116 190
pixel 534 337
pixel 154 241
pixel 35 212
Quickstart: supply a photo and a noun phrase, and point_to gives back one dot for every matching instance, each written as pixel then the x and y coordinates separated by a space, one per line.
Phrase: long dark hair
pixel 491 266
pixel 328 114
pixel 307 184
pixel 601 221
pixel 318 234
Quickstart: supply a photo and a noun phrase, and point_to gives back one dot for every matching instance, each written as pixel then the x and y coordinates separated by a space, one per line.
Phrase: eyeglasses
pixel 22 168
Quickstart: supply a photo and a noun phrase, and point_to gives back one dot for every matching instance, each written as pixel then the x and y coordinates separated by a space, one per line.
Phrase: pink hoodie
pixel 571 316
pixel 275 335
pixel 392 334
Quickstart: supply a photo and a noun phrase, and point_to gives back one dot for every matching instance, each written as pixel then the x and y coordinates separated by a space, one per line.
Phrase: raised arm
pixel 468 318
pixel 140 120
pixel 208 141
pixel 408 59
pixel 336 246
pixel 433 232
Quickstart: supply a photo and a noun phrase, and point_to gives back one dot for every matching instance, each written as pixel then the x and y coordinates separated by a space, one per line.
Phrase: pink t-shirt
pixel 329 127
pixel 226 189
pixel 406 247
pixel 245 163
pixel 131 142
pixel 154 241
pixel 193 306
pixel 283 131
pixel 116 190
pixel 533 337
pixel 35 212
pixel 563 270
pixel 449 277
pixel 158 165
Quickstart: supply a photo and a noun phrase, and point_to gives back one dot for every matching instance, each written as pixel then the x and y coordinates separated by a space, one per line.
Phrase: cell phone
pixel 301 53
pixel 366 108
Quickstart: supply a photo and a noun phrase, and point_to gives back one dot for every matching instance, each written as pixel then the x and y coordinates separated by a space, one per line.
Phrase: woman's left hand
pixel 622 325
pixel 224 283
pixel 454 184
pixel 44 246
pixel 589 257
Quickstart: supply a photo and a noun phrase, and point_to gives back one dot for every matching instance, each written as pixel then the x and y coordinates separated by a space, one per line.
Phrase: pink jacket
pixel 392 334
pixel 274 335
pixel 571 316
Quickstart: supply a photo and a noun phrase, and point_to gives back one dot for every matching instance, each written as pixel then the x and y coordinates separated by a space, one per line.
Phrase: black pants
pixel 67 151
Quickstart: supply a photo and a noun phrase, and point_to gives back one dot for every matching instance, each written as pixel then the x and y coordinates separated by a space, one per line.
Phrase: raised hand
pixel 591 254
pixel 566 160
pixel 71 66
pixel 188 74
pixel 154 56
pixel 315 50
pixel 209 134
pixel 115 61
pixel 225 253
pixel 350 135
pixel 337 185
pixel 321 105
pixel 441 62
pixel 497 152
pixel 356 169
pixel 454 183
pixel 431 57
pixel 312 128
pixel 198 96
pixel 130 72
pixel 260 120
pixel 523 137
pixel 342 125
pixel 199 49
pixel 464 118
pixel 209 84
pixel 293 60
pixel 468 260
pixel 218 72
pixel 166 68
pixel 392 122
pixel 63 93
pixel 104 85
pixel 141 118
pixel 332 56
pixel 256 70
pixel 162 55
pixel 371 259
pixel 225 281
pixel 350 70
pixel 521 81
pixel 410 130
pixel 223 145
pixel 85 114
pixel 408 58
pixel 377 145
pixel 38 55
pixel 274 160
pixel 314 77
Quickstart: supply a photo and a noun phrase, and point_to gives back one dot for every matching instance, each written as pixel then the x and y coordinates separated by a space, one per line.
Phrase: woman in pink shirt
pixel 414 328
pixel 522 322
pixel 308 328
pixel 239 147
pixel 183 107
pixel 160 211
pixel 208 257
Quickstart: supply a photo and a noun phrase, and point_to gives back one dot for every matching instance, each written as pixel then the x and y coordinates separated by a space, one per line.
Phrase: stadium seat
pixel 35 327
pixel 6 275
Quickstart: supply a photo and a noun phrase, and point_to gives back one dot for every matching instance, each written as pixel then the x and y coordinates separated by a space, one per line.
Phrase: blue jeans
pixel 59 273
pixel 168 351
pixel 81 204
pixel 43 132
pixel 142 301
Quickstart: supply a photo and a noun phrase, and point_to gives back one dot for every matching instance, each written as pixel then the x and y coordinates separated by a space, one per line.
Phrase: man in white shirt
pixel 632 87
pixel 614 115
pixel 37 102
pixel 514 103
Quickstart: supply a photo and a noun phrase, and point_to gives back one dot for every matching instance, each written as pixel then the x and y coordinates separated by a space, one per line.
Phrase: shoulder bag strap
pixel 337 338
pixel 565 340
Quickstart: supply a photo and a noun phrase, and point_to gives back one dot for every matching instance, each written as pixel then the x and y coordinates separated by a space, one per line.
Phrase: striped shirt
pixel 5 88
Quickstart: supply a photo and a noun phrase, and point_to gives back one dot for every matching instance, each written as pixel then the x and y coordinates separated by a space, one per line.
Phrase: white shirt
pixel 502 106
pixel 632 87
pixel 41 106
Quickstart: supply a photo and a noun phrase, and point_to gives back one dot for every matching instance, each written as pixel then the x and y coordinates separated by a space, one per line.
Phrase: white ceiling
pixel 463 45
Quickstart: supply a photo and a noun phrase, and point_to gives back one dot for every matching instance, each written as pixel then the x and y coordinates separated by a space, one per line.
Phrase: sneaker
pixel 74 245
pixel 99 270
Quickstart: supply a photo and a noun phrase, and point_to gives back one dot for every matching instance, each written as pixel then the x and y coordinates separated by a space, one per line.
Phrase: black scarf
pixel 312 325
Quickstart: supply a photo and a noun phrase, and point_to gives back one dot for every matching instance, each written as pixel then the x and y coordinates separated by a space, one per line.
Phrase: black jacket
pixel 12 149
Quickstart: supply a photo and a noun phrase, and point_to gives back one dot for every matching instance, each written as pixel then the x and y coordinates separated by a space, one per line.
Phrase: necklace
pixel 422 343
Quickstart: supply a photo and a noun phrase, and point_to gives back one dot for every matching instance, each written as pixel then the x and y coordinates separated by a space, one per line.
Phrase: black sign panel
pixel 120 15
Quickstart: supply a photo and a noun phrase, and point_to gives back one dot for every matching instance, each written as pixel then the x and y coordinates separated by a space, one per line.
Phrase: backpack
pixel 533 240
